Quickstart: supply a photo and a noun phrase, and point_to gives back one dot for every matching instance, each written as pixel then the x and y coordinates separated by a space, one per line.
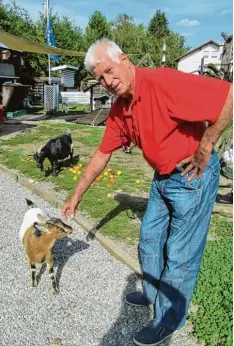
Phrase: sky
pixel 198 20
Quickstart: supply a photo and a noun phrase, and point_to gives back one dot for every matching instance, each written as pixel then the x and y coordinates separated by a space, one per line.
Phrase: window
pixel 214 54
pixel 206 54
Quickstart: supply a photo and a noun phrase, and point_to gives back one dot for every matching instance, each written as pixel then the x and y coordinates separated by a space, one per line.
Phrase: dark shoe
pixel 152 335
pixel 137 298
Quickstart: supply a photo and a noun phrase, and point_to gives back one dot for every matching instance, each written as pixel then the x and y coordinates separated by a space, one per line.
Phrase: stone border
pixel 87 225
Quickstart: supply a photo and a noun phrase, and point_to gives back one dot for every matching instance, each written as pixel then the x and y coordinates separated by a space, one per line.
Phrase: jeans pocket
pixel 214 182
pixel 194 184
pixel 215 171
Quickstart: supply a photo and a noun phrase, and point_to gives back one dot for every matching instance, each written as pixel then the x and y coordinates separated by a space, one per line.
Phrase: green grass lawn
pixel 119 215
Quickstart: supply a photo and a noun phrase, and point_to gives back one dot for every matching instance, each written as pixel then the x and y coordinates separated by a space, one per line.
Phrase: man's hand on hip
pixel 196 163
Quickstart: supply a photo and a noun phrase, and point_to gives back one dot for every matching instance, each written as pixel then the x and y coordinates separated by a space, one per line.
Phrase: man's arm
pixel 96 165
pixel 213 132
pixel 199 161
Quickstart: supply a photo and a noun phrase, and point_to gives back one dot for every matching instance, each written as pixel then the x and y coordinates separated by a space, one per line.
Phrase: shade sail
pixel 21 44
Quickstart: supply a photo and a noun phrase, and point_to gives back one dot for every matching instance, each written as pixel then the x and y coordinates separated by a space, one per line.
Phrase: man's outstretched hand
pixel 70 206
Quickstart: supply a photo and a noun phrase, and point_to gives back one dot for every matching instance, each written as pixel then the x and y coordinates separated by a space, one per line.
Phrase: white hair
pixel 110 48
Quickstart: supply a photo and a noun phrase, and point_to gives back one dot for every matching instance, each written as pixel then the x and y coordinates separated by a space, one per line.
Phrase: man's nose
pixel 108 80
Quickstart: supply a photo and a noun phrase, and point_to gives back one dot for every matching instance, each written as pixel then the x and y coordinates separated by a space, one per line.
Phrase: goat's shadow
pixel 63 164
pixel 134 206
pixel 63 250
pixel 132 319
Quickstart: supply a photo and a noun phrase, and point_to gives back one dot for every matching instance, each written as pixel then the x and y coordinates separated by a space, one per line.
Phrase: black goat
pixel 56 149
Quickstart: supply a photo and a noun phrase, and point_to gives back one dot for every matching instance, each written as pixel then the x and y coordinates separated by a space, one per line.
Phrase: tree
pixel 16 20
pixel 67 36
pixel 131 38
pixel 97 28
pixel 175 47
pixel 135 40
pixel 227 58
pixel 158 25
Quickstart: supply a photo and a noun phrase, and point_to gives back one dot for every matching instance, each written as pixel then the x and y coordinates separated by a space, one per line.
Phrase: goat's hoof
pixel 54 292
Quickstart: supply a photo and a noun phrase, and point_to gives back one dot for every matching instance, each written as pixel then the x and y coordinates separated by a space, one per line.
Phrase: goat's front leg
pixel 33 273
pixel 71 155
pixel 71 158
pixel 50 267
pixel 55 166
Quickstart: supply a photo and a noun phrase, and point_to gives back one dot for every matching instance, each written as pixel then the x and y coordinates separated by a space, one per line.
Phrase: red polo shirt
pixel 166 115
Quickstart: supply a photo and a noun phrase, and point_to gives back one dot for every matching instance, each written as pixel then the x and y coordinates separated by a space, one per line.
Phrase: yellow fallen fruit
pixel 138 181
pixel 79 172
pixel 106 173
pixel 70 169
pixel 80 165
pixel 75 178
pixel 109 195
pixel 119 172
pixel 109 170
pixel 112 176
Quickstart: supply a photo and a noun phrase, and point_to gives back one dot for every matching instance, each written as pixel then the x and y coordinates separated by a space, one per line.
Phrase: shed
pixel 67 74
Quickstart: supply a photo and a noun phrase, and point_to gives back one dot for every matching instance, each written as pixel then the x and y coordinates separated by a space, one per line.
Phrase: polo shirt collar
pixel 136 97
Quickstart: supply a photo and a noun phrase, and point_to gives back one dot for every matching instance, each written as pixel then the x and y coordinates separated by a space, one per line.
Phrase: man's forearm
pixel 96 165
pixel 213 132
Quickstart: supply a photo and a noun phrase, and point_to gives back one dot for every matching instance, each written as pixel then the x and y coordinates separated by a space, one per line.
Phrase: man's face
pixel 117 78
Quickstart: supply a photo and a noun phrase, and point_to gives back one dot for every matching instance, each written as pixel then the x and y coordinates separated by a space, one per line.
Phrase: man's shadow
pixel 132 319
pixel 129 321
pixel 63 250
pixel 134 206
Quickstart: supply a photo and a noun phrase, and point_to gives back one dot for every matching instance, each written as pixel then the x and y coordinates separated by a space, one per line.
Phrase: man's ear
pixel 124 59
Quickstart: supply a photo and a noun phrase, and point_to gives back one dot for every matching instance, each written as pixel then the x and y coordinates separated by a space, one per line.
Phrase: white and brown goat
pixel 38 235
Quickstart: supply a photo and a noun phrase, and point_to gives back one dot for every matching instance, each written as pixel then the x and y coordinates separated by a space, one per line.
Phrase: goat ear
pixel 39 229
pixel 41 218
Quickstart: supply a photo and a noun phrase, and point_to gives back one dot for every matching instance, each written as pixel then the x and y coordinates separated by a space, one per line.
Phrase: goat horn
pixel 39 150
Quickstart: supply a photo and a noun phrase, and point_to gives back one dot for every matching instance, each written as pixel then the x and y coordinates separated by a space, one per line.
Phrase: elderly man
pixel 163 112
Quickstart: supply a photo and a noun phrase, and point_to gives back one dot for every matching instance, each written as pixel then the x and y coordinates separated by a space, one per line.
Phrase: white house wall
pixel 191 63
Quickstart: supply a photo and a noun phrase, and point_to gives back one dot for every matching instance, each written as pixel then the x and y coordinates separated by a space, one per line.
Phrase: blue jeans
pixel 172 240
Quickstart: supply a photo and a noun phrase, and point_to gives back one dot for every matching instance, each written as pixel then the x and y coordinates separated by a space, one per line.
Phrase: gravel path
pixel 89 309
